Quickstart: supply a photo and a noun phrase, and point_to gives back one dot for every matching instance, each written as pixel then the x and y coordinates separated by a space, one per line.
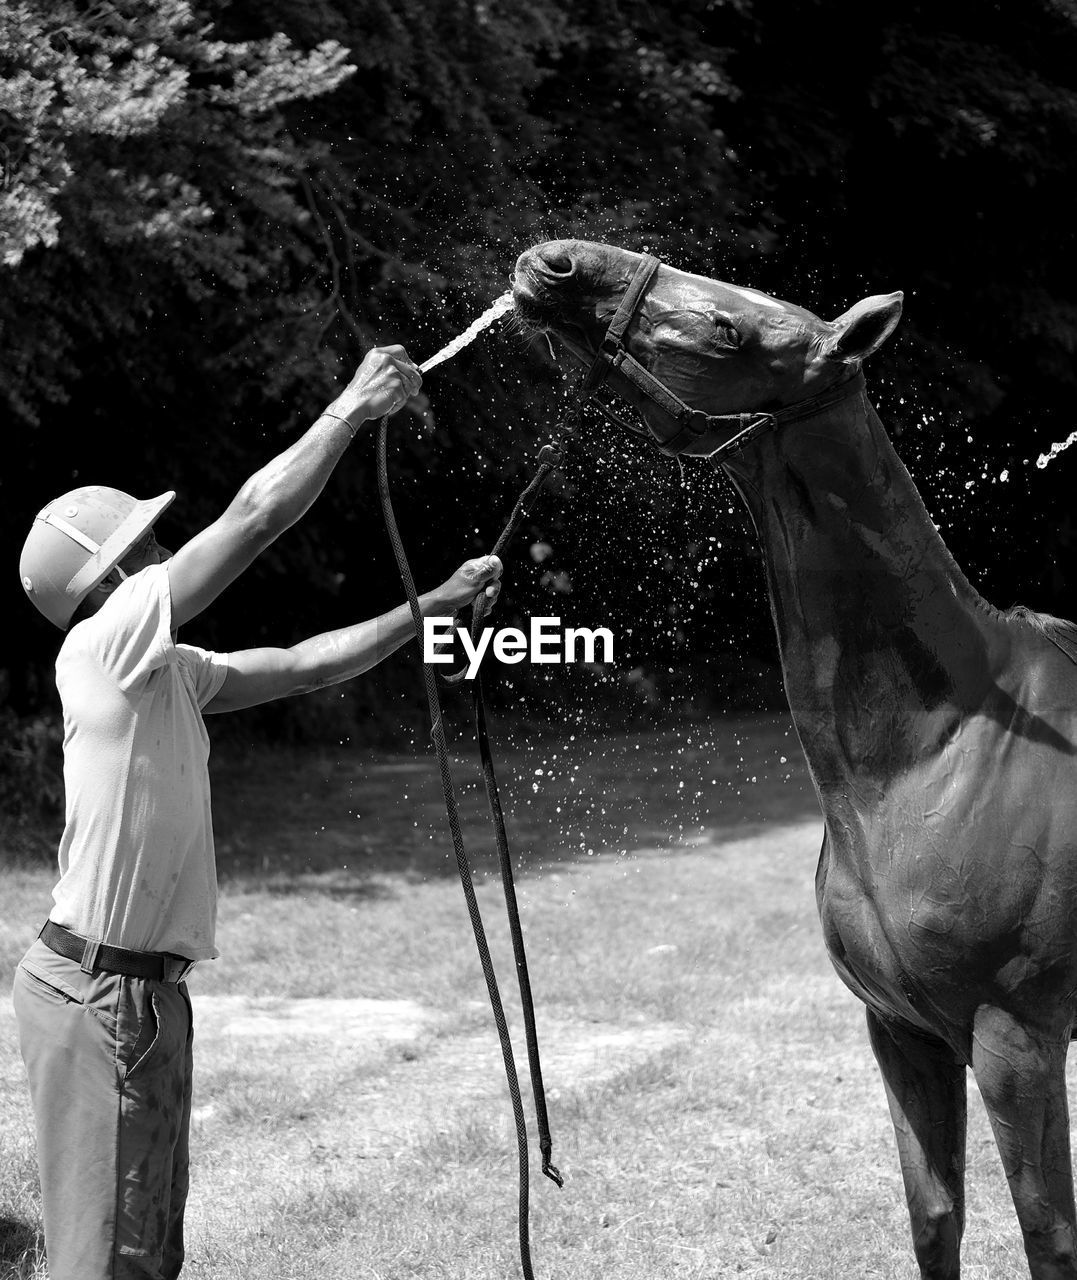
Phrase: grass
pixel 713 1100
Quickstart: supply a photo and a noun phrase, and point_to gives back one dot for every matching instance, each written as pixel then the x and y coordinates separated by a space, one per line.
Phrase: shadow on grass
pixel 283 885
pixel 310 822
pixel 21 1249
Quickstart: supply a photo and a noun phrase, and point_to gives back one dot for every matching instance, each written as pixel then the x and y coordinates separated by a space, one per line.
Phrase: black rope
pixel 452 810
pixel 549 459
pixel 522 977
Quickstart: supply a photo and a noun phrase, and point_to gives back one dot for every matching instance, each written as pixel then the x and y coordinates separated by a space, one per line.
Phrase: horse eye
pixel 726 334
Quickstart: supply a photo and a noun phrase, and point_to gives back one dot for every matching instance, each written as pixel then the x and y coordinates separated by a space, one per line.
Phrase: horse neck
pixel 883 640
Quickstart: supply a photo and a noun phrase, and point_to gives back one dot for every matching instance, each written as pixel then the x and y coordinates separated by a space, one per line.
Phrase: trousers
pixel 109 1064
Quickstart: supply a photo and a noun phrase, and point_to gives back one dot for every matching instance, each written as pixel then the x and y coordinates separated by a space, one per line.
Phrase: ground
pixel 713 1101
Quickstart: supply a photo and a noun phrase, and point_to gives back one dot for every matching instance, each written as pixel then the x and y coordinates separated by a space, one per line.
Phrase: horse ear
pixel 864 328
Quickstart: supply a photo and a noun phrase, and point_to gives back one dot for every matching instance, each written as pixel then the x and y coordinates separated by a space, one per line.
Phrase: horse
pixel 940 732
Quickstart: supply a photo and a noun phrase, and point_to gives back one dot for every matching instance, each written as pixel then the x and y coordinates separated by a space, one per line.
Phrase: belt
pixel 160 966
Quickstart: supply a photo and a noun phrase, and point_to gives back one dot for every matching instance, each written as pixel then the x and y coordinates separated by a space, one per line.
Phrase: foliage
pixel 206 219
pixel 933 148
pixel 128 132
pixel 31 784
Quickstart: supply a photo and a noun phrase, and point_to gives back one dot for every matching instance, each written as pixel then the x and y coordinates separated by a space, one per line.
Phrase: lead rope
pixel 437 730
pixel 549 458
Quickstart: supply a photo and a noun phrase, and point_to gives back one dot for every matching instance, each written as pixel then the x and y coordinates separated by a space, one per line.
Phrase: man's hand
pixel 261 675
pixel 469 580
pixel 383 383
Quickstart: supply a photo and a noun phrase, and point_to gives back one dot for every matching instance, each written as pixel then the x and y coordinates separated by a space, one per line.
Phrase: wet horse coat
pixel 941 733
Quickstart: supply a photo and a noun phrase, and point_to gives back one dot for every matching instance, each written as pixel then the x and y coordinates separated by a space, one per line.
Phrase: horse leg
pixel 1022 1078
pixel 925 1086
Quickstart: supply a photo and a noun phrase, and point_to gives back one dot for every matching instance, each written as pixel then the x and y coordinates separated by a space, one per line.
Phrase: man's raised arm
pixel 275 497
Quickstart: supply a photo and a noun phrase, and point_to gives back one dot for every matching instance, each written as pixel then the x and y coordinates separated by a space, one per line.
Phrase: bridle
pixel 694 430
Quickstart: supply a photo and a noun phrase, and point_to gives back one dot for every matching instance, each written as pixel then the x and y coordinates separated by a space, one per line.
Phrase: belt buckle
pixel 175 968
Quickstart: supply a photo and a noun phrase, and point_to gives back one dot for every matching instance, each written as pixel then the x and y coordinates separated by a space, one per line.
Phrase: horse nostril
pixel 558 263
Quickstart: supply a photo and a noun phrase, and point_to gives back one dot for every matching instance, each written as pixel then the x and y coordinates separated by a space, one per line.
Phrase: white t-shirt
pixel 137 867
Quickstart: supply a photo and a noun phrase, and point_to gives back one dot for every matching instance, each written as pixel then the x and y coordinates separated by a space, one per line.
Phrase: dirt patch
pixel 273 1019
pixel 573 1052
pixel 400 1068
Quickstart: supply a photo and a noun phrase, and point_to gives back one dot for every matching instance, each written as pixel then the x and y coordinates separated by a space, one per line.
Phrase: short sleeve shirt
pixel 137 863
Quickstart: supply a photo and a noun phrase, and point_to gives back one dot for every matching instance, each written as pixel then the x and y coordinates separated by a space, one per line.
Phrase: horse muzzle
pixel 535 283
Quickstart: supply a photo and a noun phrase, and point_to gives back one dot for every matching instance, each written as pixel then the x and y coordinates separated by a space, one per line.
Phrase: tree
pixel 220 222
pixel 145 161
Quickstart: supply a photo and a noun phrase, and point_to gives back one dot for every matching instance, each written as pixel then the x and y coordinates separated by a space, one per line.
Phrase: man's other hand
pixel 473 577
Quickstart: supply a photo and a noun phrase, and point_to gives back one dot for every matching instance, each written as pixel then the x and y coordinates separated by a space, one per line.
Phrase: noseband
pixel 693 426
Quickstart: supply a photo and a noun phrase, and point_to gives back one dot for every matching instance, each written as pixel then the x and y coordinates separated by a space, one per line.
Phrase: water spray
pixel 1055 450
pixel 493 312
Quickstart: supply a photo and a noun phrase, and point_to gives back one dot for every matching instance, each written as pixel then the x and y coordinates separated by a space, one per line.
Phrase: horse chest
pixel 855 939
pixel 927 922
pixel 897 943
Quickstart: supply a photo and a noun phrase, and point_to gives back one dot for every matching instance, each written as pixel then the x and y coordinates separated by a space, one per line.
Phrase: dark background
pixel 208 215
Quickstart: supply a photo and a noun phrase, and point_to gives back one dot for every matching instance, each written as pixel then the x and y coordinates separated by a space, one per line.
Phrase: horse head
pixel 720 349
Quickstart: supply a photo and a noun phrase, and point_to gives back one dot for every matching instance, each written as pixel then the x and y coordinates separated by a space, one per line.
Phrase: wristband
pixel 337 418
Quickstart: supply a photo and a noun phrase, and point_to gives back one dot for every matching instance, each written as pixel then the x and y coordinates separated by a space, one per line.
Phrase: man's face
pixel 146 551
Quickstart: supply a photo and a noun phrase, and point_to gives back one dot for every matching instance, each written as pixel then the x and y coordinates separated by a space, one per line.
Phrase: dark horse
pixel 941 733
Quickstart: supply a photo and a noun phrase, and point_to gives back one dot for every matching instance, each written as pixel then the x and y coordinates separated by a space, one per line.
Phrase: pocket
pixel 152 1137
pixel 46 982
pixel 149 1033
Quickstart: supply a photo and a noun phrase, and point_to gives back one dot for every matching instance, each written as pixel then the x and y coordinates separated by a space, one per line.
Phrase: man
pixel 103 1013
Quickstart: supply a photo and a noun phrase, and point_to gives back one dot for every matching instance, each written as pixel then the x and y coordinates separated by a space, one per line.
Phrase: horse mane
pixel 1062 634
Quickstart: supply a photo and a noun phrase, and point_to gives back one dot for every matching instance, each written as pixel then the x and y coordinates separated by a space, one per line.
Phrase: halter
pixel 693 426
